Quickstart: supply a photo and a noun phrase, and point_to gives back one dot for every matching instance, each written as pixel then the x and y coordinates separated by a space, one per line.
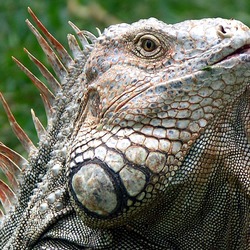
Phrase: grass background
pixel 14 35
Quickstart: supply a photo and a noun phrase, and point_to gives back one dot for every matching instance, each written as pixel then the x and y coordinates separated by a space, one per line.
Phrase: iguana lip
pixel 245 49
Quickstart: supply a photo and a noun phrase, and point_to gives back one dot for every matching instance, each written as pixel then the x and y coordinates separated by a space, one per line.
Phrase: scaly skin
pixel 148 147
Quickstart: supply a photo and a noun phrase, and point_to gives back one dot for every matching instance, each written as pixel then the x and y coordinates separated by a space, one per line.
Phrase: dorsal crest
pixel 62 62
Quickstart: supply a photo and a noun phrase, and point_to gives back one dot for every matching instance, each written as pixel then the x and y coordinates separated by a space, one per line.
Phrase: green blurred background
pixel 14 35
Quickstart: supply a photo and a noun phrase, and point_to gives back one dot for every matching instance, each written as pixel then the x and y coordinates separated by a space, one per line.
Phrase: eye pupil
pixel 149 45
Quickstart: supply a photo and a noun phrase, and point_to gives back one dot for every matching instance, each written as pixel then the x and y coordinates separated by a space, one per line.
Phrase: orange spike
pixel 12 155
pixel 54 61
pixel 38 125
pixel 89 35
pixel 80 35
pixel 19 132
pixel 63 54
pixel 40 85
pixel 10 176
pixel 7 196
pixel 53 83
pixel 13 168
pixel 74 46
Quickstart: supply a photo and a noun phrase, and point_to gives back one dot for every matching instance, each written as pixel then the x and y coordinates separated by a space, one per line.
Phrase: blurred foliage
pixel 17 88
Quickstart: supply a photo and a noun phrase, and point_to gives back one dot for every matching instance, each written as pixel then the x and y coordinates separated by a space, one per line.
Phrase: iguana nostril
pixel 221 28
pixel 225 31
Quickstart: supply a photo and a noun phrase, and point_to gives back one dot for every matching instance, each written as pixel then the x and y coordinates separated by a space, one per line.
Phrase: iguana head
pixel 152 89
pixel 127 108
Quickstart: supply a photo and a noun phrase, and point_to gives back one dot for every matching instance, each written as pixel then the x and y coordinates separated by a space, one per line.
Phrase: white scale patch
pixel 94 189
pixel 134 180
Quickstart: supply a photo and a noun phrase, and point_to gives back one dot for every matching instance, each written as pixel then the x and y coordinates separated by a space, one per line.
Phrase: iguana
pixel 147 144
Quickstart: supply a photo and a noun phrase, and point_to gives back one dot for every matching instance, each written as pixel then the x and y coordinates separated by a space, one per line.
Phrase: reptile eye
pixel 148 46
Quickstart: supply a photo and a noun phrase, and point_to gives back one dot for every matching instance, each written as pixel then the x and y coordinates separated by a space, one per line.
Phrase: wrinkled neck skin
pixel 206 176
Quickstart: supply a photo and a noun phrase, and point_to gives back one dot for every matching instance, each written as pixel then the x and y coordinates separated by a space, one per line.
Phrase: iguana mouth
pixel 245 49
